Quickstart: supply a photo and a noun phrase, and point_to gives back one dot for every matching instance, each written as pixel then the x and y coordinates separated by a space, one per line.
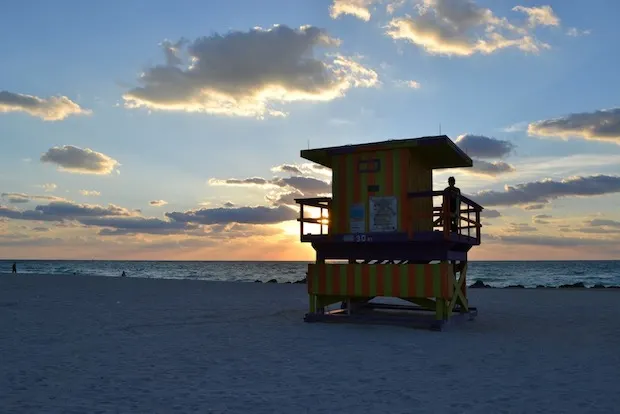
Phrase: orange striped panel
pixel 389 172
pixel 404 189
pixel 397 280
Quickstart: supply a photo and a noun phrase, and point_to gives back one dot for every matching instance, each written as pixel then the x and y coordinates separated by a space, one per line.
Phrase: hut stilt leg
pixel 458 296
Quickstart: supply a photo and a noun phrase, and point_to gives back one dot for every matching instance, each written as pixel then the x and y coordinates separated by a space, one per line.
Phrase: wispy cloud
pixel 517 127
pixel 245 215
pixel 55 108
pixel 539 16
pixel 408 84
pixel 602 125
pixel 541 192
pixel 357 8
pixel 574 32
pixel 90 193
pixel 49 187
pixel 20 198
pixel 541 218
pixel 520 228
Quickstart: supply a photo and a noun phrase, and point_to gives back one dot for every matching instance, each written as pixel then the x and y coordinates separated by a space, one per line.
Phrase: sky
pixel 141 130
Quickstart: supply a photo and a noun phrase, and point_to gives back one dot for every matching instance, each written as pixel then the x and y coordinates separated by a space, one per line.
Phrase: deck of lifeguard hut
pixel 395 172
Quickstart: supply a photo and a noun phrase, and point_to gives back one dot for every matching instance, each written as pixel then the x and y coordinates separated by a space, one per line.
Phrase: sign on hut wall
pixel 383 214
pixel 357 218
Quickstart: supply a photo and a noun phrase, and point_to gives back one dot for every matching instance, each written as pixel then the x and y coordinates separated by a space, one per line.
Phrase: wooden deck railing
pixel 323 204
pixel 466 216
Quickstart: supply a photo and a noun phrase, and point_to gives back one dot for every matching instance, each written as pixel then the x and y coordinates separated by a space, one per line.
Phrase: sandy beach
pixel 79 344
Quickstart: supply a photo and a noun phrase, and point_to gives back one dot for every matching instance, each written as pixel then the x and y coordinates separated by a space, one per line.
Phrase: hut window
pixel 369 166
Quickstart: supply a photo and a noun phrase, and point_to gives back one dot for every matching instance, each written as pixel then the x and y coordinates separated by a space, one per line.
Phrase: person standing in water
pixel 14 268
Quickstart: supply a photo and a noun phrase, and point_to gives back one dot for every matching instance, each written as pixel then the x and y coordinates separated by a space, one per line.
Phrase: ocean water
pixel 499 274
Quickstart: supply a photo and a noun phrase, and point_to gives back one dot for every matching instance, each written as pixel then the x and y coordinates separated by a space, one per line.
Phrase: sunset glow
pixel 154 137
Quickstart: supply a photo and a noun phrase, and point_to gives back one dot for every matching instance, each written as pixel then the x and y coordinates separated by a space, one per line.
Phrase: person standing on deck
pixel 454 201
pixel 14 268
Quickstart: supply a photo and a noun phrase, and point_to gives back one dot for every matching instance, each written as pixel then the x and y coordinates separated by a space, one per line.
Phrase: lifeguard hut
pixel 391 234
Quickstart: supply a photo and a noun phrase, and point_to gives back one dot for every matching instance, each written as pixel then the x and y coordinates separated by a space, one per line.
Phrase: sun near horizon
pixel 141 135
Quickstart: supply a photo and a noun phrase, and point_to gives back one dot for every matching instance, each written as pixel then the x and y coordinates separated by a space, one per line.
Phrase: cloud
pixel 31 242
pixel 541 218
pixel 604 223
pixel 480 146
pixel 303 169
pixel 15 214
pixel 603 125
pixel 303 184
pixel 491 169
pixel 282 191
pixel 357 8
pixel 252 181
pixel 550 241
pixel 158 203
pixel 409 84
pixel 113 219
pixel 77 160
pixel 546 190
pixel 595 226
pixel 55 108
pixel 539 16
pixel 244 215
pixel 520 228
pixel 534 207
pixel 259 68
pixel 574 32
pixel 362 9
pixel 490 213
pixel 461 28
pixel 121 226
pixel 289 168
pixel 90 193
pixel 517 127
pixel 49 187
pixel 286 198
pixel 595 230
pixel 20 198
pixel 70 210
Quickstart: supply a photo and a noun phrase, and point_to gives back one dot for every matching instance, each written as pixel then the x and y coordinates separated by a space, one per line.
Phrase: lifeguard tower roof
pixel 434 151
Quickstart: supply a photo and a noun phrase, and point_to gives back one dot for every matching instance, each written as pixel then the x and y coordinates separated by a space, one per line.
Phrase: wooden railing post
pixel 478 227
pixel 301 221
pixel 446 215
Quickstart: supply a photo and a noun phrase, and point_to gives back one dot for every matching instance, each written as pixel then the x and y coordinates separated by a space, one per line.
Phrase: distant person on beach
pixel 455 192
pixel 124 274
pixel 14 268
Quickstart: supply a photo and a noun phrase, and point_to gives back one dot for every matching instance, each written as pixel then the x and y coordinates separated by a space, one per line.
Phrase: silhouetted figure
pixel 124 274
pixel 454 201
pixel 14 268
